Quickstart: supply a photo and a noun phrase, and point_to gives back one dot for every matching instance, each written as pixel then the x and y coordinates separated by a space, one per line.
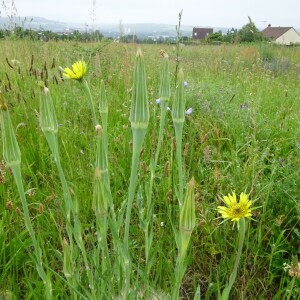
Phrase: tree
pixel 215 37
pixel 249 33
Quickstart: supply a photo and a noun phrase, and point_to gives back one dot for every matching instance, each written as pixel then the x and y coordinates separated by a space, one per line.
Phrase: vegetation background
pixel 243 135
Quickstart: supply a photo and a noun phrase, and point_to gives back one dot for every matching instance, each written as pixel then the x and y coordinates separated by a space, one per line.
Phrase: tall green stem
pixel 76 229
pixel 179 273
pixel 12 156
pixel 148 228
pixel 138 138
pixel 178 137
pixel 38 255
pixel 92 106
pixel 242 230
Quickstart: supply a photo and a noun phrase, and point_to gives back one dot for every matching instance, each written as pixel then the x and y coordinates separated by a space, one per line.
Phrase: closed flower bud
pixel 178 108
pixel 103 108
pixel 48 121
pixel 187 218
pixel 164 91
pixel 11 150
pixel 9 205
pixel 99 202
pixel 139 112
pixel 98 129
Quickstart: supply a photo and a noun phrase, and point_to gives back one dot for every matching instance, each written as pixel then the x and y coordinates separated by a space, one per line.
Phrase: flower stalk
pixel 178 116
pixel 165 94
pixel 235 211
pixel 187 224
pixel 101 202
pixel 242 231
pixel 78 72
pixel 91 101
pixel 139 118
pixel 12 156
pixel 49 127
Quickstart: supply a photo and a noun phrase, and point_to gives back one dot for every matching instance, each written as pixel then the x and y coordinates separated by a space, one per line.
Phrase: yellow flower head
pixel 77 72
pixel 235 210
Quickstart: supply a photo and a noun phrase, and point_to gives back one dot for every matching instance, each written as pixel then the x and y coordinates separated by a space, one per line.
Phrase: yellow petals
pixel 235 210
pixel 77 72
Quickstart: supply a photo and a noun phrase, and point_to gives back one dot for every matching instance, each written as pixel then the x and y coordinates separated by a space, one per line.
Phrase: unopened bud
pixel 41 208
pixel 187 218
pixel 9 205
pixel 18 211
pixel 139 112
pixel 98 129
pixel 11 150
pixel 166 168
pixel 48 121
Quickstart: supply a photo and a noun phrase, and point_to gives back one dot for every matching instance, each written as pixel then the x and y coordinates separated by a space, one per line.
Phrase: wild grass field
pixel 243 135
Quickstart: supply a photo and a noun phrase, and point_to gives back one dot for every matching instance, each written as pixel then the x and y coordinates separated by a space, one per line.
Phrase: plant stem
pixel 291 289
pixel 138 138
pixel 179 273
pixel 177 45
pixel 16 169
pixel 178 136
pixel 242 230
pixel 92 106
pixel 150 203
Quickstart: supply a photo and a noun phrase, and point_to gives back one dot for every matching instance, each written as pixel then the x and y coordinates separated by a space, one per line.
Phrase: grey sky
pixel 214 13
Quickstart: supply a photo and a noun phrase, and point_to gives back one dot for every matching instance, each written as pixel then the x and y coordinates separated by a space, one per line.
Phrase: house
pixel 281 35
pixel 201 33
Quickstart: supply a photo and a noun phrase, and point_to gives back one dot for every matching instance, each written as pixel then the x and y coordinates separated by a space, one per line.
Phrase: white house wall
pixel 290 37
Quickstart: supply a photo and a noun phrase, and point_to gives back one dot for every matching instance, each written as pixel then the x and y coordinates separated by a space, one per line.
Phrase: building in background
pixel 201 33
pixel 282 35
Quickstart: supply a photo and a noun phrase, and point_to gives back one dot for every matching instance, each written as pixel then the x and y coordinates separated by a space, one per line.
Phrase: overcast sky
pixel 214 13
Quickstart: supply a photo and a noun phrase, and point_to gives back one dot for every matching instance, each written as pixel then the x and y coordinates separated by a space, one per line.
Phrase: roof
pixel 274 32
pixel 201 33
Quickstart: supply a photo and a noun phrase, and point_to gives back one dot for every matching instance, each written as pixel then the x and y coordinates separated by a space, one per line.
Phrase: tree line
pixel 19 33
pixel 247 34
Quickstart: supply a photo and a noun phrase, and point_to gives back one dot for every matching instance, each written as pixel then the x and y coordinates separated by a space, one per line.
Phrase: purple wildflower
pixel 281 162
pixel 158 101
pixel 298 144
pixel 244 106
pixel 189 111
pixel 185 84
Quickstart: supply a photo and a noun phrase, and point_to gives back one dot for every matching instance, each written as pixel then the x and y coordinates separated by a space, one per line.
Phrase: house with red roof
pixel 282 35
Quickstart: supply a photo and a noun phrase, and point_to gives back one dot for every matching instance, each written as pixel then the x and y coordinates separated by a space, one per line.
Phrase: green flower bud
pixel 103 108
pixel 11 150
pixel 187 218
pixel 178 108
pixel 48 121
pixel 164 91
pixel 99 202
pixel 139 113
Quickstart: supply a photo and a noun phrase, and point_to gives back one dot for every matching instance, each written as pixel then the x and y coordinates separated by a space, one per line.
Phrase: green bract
pixel 139 113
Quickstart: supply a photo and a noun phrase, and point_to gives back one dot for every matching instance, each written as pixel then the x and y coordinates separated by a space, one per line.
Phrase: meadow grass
pixel 241 136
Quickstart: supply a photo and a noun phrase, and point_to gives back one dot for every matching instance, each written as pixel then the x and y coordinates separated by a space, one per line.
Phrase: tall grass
pixel 242 135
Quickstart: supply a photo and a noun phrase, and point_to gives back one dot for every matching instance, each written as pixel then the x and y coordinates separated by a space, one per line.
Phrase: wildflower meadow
pixel 132 171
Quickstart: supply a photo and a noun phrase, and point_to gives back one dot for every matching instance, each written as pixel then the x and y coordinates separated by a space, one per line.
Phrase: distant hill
pixel 34 23
pixel 142 30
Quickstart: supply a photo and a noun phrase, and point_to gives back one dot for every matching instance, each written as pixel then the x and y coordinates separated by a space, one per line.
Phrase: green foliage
pixel 242 136
pixel 215 37
pixel 19 33
pixel 249 33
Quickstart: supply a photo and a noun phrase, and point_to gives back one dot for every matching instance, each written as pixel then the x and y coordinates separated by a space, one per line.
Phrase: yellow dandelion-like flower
pixel 235 210
pixel 77 72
